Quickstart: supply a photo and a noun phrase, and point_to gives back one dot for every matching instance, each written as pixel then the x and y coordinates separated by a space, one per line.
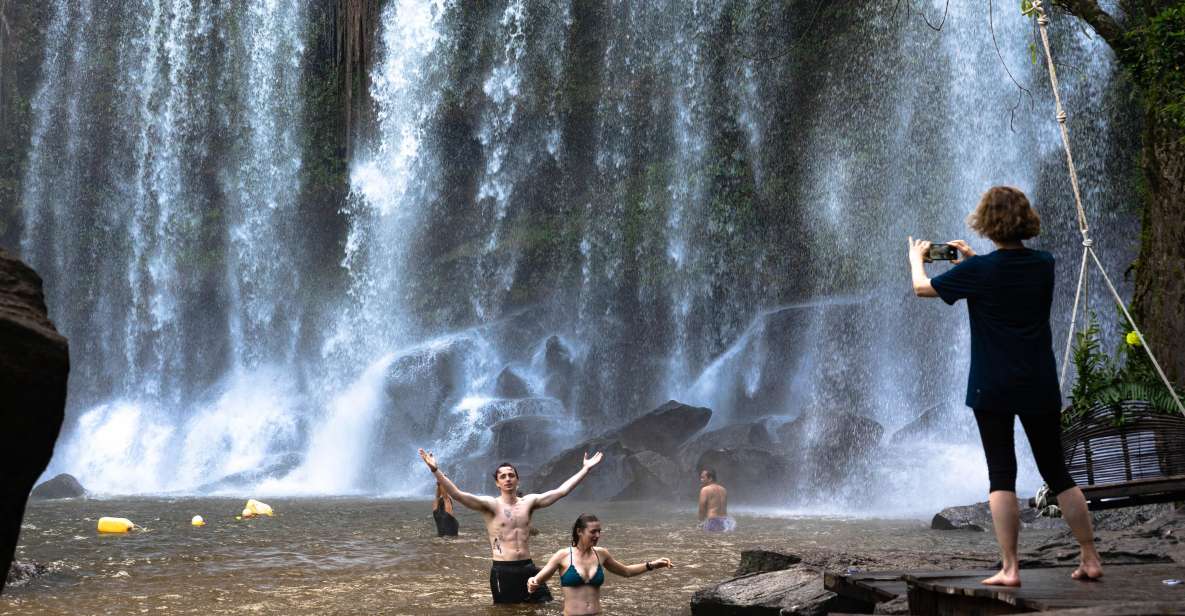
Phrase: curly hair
pixel 1004 215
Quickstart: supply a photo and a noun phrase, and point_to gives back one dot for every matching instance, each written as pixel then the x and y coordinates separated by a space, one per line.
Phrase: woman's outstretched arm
pixel 546 572
pixel 614 566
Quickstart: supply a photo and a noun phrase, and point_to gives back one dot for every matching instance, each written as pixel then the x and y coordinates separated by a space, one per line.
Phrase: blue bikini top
pixel 572 578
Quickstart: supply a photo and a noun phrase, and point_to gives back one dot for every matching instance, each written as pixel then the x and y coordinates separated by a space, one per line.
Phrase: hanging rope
pixel 1037 7
pixel 1073 320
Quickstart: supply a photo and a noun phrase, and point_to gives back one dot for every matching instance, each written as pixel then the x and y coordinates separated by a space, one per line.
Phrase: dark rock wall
pixel 34 365
pixel 22 30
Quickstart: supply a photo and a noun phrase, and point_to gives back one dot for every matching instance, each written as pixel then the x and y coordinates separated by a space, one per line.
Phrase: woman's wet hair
pixel 581 524
pixel 1005 215
pixel 504 465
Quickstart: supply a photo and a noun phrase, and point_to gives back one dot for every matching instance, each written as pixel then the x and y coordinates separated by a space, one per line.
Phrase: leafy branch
pixel 1102 379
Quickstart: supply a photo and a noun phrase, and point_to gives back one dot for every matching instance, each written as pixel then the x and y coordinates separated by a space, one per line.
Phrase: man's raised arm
pixel 471 501
pixel 551 496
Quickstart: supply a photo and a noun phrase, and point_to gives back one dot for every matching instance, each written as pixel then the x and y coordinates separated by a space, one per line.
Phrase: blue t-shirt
pixel 1009 294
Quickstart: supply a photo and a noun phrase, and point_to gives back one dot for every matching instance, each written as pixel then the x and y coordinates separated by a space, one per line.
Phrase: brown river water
pixel 376 556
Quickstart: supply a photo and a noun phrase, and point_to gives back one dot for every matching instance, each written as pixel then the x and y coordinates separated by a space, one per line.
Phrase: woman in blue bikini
pixel 584 566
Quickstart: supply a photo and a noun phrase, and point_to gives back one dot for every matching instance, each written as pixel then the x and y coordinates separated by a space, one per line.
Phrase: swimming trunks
pixel 571 576
pixel 723 524
pixel 508 582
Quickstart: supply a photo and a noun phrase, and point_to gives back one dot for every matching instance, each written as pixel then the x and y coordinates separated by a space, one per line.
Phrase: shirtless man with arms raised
pixel 508 522
pixel 713 504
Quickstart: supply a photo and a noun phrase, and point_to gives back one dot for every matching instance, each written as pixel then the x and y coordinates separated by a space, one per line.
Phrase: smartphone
pixel 942 252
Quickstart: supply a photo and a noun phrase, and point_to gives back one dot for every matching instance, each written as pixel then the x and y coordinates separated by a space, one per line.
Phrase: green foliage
pixel 1102 379
pixel 1154 53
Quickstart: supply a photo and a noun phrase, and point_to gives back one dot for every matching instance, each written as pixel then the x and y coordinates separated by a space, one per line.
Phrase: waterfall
pixel 562 215
pixel 162 177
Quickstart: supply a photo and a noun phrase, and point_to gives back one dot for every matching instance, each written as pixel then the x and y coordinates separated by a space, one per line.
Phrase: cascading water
pixel 565 215
pixel 162 176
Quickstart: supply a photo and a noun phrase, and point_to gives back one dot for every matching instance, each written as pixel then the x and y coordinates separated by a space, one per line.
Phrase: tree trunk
pixel 1159 297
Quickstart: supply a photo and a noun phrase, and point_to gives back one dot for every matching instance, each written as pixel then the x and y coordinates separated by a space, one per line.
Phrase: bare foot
pixel 1003 578
pixel 1088 571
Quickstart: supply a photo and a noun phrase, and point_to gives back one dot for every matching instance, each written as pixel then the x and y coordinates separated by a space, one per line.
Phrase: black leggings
pixel 1044 431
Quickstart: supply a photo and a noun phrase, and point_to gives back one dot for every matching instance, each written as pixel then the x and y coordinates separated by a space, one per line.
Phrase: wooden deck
pixel 1131 493
pixel 1126 589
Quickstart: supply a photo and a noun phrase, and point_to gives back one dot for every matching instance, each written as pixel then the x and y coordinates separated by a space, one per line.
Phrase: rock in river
pixel 61 486
pixel 797 591
pixel 34 365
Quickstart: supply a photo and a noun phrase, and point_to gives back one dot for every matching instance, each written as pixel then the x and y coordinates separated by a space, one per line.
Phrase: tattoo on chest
pixel 507 513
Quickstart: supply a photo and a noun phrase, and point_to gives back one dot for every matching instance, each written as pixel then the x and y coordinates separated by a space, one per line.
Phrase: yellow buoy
pixel 197 521
pixel 115 525
pixel 255 508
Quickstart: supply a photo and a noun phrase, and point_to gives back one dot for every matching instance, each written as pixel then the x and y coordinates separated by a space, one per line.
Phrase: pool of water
pixel 366 556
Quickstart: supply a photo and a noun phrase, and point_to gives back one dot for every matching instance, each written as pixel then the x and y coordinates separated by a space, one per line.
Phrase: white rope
pixel 1037 6
pixel 1073 319
pixel 1043 21
pixel 1139 334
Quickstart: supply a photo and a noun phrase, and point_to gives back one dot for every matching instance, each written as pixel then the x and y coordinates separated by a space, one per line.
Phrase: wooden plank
pixel 1136 487
pixel 1045 589
pixel 868 586
pixel 1131 493
pixel 1143 608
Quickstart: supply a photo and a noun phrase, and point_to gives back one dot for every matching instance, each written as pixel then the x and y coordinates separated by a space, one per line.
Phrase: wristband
pixel 649 567
pixel 433 468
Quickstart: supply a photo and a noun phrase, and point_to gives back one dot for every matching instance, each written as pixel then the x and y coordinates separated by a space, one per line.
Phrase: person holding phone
pixel 1009 294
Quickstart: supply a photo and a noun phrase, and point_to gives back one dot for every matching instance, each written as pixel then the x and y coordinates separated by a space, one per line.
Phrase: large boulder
pixel 750 475
pixel 61 486
pixel 941 422
pixel 639 456
pixel 528 437
pixel 797 591
pixel 652 476
pixel 511 385
pixel 831 447
pixel 496 410
pixel 749 435
pixel 423 384
pixel 664 429
pixel 604 482
pixel 764 561
pixel 978 517
pixel 34 366
pixel 272 467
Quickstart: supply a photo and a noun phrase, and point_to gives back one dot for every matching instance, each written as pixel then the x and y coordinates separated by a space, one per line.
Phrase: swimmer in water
pixel 584 565
pixel 508 522
pixel 713 504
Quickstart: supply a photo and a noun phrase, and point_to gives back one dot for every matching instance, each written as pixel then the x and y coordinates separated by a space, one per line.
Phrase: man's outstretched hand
pixel 593 461
pixel 430 460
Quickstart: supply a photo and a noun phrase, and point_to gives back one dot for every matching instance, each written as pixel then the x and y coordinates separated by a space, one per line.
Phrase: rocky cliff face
pixel 34 365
